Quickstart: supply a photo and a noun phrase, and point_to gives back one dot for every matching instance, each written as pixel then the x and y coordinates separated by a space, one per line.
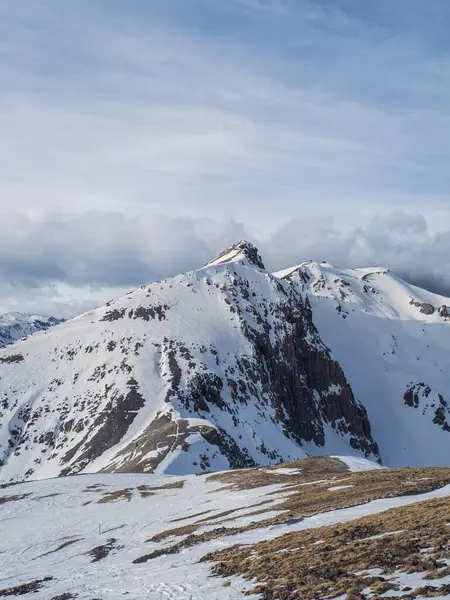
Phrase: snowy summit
pixel 232 366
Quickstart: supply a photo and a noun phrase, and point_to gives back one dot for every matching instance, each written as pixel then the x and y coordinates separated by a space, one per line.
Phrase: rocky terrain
pixel 230 366
pixel 221 367
pixel 391 340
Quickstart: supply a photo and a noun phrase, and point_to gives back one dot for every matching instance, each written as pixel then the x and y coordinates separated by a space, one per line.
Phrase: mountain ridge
pixel 227 366
pixel 15 325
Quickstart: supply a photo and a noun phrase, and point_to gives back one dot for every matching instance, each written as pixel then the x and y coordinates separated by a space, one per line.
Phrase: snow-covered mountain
pixel 16 325
pixel 231 366
pixel 221 367
pixel 392 340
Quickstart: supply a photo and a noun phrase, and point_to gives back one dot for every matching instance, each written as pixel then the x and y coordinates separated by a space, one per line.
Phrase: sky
pixel 138 139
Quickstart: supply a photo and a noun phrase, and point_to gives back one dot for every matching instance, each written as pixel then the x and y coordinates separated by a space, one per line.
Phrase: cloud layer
pixel 66 263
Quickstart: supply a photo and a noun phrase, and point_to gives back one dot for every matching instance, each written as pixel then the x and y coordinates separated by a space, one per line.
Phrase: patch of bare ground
pixel 302 471
pixel 101 552
pixel 17 497
pixel 149 490
pixel 25 588
pixel 331 561
pixel 199 514
pixel 217 518
pixel 97 487
pixel 60 547
pixel 125 494
pixel 308 495
pixel 46 496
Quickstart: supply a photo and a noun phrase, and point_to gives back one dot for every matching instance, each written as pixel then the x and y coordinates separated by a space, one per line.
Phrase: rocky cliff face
pixel 392 340
pixel 221 367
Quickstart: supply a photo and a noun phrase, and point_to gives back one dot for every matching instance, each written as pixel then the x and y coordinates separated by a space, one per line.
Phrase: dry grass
pixel 309 495
pixel 125 494
pixel 25 588
pixel 309 469
pixel 60 547
pixel 46 496
pixel 148 490
pixel 16 498
pixel 199 514
pixel 330 561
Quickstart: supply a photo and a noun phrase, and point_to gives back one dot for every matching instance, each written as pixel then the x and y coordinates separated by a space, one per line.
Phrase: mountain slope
pixel 221 367
pixel 393 341
pixel 310 529
pixel 16 325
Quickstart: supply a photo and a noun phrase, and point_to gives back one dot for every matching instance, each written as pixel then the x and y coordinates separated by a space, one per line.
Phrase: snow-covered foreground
pixel 55 514
pixel 85 532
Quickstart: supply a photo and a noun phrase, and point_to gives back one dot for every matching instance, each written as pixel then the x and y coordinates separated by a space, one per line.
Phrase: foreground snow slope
pixel 221 367
pixel 393 342
pixel 109 536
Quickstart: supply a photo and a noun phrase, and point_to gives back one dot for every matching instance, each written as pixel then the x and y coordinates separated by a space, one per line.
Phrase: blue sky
pixel 173 127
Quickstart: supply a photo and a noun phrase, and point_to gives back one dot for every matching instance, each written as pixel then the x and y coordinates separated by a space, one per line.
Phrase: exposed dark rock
pixel 425 307
pixel 101 552
pixel 146 313
pixel 25 588
pixel 416 392
pixel 243 248
pixel 443 312
pixel 12 358
pixel 114 315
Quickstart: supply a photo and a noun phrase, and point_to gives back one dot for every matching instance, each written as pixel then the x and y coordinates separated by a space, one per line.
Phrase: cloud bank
pixel 66 263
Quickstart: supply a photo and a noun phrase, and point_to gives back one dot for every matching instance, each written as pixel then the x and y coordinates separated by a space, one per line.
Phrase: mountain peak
pixel 242 251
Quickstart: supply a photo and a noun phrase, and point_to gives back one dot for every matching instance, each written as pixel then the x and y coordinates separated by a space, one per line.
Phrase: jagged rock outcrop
pixel 389 337
pixel 425 307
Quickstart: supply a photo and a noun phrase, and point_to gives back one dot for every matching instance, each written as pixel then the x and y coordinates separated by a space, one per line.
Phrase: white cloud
pixel 64 263
pixel 138 139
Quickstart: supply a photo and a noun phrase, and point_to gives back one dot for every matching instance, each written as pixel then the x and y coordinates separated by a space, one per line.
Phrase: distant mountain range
pixel 232 366
pixel 16 325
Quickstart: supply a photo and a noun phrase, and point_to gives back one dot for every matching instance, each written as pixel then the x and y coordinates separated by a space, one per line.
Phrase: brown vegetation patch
pixel 174 485
pixel 308 495
pixel 188 529
pixel 47 496
pixel 24 588
pixel 308 469
pixel 199 514
pixel 60 547
pixel 149 490
pixel 330 561
pixel 96 487
pixel 125 494
pixel 5 499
